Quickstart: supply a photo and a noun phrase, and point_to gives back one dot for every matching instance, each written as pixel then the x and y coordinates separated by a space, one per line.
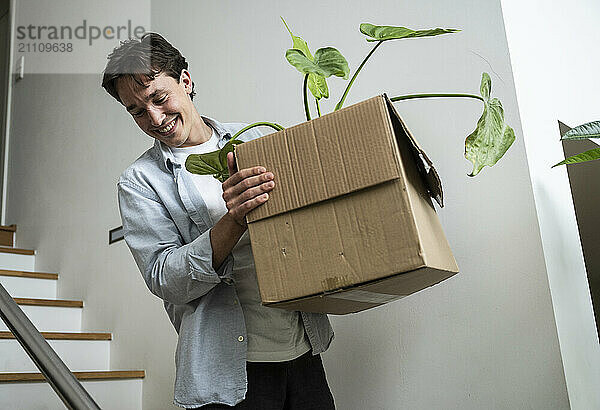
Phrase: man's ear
pixel 186 80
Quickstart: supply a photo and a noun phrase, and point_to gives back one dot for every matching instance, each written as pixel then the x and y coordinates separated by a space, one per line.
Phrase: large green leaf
pixel 327 62
pixel 383 33
pixel 302 63
pixel 212 163
pixel 586 156
pixel 208 163
pixel 584 131
pixel 332 61
pixel 317 84
pixel 215 163
pixel 492 136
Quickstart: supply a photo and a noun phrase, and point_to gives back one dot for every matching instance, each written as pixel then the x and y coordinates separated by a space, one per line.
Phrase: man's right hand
pixel 245 189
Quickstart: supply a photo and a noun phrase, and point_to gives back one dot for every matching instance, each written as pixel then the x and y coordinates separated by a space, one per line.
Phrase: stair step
pixel 79 351
pixel 115 394
pixel 29 284
pixel 32 275
pixel 65 335
pixel 46 316
pixel 18 251
pixel 98 375
pixel 17 262
pixel 7 235
pixel 49 302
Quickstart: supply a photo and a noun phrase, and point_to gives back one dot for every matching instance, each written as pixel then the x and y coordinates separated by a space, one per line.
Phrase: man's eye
pixel 137 113
pixel 161 100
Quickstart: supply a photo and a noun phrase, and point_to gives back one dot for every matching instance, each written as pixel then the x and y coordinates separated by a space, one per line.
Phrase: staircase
pixel 87 354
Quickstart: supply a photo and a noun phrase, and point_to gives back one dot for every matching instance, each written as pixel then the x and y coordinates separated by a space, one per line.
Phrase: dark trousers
pixel 298 384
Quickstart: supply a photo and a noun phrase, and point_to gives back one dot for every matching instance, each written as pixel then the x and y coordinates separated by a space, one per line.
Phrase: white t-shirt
pixel 274 335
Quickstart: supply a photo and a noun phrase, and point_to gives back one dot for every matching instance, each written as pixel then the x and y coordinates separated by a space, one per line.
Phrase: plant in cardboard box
pixel 340 238
pixel 584 131
pixel 484 146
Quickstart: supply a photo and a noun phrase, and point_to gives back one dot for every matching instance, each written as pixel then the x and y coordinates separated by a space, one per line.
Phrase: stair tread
pixel 49 302
pixel 65 335
pixel 20 251
pixel 25 274
pixel 93 375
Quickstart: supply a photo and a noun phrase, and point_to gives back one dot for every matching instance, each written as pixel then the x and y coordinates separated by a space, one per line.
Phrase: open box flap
pixel 424 164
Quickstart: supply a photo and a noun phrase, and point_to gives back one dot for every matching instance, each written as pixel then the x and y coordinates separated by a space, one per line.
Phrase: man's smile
pixel 168 128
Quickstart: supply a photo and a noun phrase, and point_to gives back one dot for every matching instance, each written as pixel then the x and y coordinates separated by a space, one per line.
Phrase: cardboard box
pixel 350 224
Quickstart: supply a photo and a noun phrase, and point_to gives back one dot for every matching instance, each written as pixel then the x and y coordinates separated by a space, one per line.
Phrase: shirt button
pixel 241 339
pixel 235 302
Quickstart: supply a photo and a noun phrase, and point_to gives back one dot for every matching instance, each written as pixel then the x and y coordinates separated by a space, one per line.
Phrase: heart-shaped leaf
pixel 383 33
pixel 317 84
pixel 586 156
pixel 206 164
pixel 212 163
pixel 215 163
pixel 584 131
pixel 302 63
pixel 332 61
pixel 492 136
pixel 327 62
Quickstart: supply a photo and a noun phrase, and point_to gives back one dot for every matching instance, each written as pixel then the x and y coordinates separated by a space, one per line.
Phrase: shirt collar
pixel 167 154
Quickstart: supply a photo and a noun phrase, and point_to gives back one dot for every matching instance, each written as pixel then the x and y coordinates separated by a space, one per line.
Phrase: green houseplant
pixel 484 146
pixel 583 131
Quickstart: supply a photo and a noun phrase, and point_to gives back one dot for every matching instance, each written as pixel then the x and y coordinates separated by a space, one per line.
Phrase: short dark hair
pixel 142 60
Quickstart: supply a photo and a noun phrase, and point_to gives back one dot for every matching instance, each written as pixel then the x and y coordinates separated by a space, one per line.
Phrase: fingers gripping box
pixel 350 224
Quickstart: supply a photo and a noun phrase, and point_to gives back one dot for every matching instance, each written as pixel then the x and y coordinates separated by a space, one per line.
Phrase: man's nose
pixel 156 117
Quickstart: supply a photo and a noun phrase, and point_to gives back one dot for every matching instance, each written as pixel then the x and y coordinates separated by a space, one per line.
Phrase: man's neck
pixel 201 132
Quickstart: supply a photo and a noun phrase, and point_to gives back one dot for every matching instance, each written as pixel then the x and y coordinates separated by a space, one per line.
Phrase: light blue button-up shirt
pixel 167 228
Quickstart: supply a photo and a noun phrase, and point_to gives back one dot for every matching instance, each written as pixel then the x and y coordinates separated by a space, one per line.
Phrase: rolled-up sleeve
pixel 175 272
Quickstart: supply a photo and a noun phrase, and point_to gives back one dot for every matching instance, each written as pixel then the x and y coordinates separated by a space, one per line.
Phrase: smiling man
pixel 163 110
pixel 188 236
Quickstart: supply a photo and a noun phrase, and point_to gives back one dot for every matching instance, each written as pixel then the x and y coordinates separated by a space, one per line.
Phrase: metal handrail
pixel 64 383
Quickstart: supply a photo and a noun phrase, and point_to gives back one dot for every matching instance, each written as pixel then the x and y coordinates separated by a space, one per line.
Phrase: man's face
pixel 163 109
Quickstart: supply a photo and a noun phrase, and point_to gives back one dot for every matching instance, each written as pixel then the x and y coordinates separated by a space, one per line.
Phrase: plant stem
pixel 273 125
pixel 412 96
pixel 286 26
pixel 341 103
pixel 318 108
pixel 305 96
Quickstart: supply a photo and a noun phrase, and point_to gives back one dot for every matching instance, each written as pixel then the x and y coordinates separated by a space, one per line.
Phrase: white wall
pixel 484 339
pixel 552 46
